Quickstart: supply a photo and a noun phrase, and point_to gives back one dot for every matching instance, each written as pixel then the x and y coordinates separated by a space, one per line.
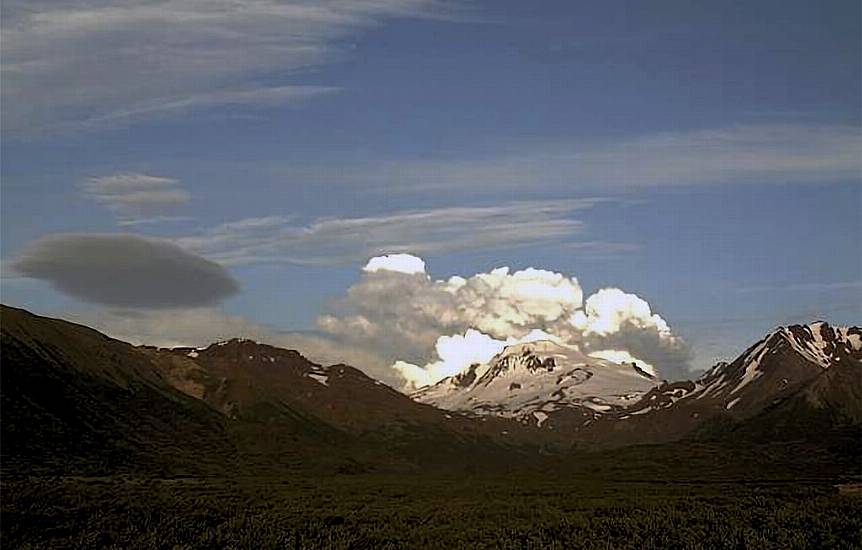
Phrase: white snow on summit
pixel 536 378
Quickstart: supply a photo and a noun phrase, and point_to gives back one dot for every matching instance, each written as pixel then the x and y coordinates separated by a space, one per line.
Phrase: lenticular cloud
pixel 431 329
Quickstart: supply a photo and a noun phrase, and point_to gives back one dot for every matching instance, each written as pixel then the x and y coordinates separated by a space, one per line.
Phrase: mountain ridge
pixel 105 405
pixel 111 406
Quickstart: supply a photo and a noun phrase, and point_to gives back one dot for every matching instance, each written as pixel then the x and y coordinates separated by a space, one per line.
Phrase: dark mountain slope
pixel 262 389
pixel 797 381
pixel 831 404
pixel 75 399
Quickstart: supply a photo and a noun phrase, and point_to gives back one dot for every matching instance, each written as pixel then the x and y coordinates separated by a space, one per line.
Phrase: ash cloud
pixel 430 329
pixel 126 271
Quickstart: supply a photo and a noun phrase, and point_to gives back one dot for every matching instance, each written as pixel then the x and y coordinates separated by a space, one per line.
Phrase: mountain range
pixel 557 386
pixel 75 399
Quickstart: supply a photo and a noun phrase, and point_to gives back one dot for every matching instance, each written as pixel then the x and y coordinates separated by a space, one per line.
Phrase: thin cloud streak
pixel 259 97
pixel 805 287
pixel 137 198
pixel 741 154
pixel 346 240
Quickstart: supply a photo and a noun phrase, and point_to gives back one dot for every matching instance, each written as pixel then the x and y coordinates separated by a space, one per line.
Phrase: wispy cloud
pixel 599 250
pixel 72 65
pixel 137 198
pixel 805 287
pixel 344 240
pixel 261 97
pixel 742 154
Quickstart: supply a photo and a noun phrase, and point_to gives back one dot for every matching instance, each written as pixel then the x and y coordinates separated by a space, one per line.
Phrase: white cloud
pixel 456 352
pixel 77 64
pixel 337 241
pixel 261 97
pixel 431 329
pixel 137 198
pixel 820 286
pixel 405 314
pixel 738 154
pixel 606 311
pixel 399 263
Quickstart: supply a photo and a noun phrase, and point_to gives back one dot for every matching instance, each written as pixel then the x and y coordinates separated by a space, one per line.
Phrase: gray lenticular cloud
pixel 126 271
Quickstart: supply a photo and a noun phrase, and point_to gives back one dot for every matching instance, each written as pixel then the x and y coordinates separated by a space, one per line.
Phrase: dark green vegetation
pixel 398 512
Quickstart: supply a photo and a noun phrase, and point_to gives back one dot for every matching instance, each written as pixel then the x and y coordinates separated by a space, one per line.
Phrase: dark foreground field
pixel 401 512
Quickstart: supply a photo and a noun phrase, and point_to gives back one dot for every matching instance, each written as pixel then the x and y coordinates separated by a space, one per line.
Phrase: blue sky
pixel 718 145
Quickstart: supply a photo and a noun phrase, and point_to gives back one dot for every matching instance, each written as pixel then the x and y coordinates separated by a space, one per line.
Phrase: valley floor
pixel 376 511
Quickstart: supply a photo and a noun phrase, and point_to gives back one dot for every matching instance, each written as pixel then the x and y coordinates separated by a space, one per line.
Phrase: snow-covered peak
pixel 234 341
pixel 818 342
pixel 779 359
pixel 543 347
pixel 525 359
pixel 539 377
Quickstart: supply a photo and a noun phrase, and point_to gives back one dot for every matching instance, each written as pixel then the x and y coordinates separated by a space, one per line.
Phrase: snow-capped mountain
pixel 554 385
pixel 257 404
pixel 536 379
pixel 777 365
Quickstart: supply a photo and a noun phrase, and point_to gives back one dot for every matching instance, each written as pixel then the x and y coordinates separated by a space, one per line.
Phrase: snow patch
pixel 319 377
pixel 752 361
pixel 540 417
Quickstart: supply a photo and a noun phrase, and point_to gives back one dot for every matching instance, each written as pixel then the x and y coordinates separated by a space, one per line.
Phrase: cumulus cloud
pixel 136 198
pixel 615 320
pixel 126 271
pixel 405 314
pixel 431 328
pixel 454 353
pixel 400 263
pixel 606 311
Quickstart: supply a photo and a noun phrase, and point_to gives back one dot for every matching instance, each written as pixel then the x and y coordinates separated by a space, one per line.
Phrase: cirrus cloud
pixel 740 154
pixel 136 198
pixel 75 65
pixel 327 241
